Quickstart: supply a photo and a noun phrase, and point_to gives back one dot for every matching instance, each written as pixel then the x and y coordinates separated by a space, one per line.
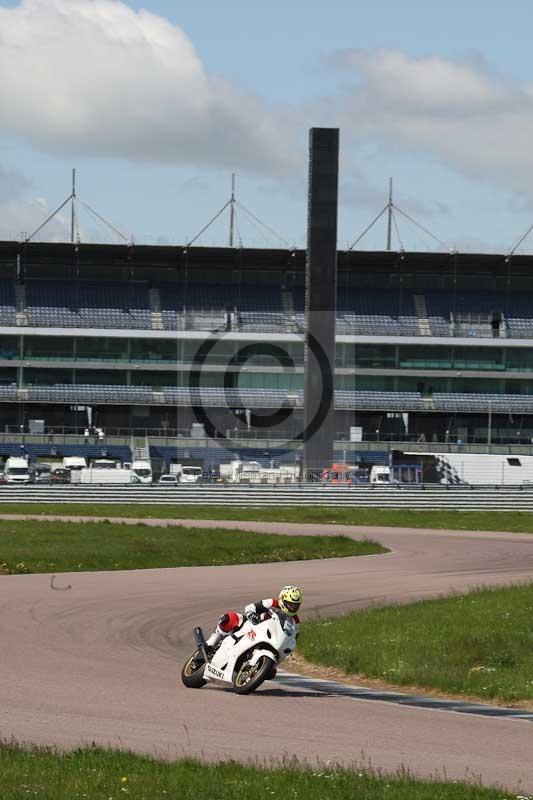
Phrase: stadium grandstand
pixel 200 351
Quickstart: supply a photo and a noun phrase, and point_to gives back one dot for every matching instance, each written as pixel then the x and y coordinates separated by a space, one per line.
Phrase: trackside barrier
pixel 505 499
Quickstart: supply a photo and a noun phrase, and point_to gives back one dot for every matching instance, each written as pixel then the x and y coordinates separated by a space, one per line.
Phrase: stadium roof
pixel 134 256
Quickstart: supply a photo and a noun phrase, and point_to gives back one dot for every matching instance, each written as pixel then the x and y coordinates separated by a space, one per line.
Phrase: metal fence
pixel 480 498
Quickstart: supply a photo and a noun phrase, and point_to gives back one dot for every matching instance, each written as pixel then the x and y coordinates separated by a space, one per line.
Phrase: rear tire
pixel 249 678
pixel 192 672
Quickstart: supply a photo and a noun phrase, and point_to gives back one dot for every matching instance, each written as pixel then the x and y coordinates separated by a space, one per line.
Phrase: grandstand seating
pixel 95 393
pixel 8 392
pixel 267 398
pixel 8 307
pixel 84 304
pixel 498 403
pixel 247 307
pixel 207 396
pixel 516 308
pixel 369 312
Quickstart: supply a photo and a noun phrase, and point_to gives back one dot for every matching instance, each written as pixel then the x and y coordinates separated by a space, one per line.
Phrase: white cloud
pixel 458 111
pixel 96 77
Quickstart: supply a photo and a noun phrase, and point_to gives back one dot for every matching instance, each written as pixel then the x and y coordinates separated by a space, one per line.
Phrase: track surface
pixel 98 662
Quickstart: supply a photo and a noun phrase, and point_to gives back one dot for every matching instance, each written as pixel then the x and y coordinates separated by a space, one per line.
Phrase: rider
pixel 287 602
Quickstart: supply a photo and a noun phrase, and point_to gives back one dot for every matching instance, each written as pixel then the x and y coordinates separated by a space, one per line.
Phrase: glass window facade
pixel 104 348
pixel 155 350
pixel 262 364
pixel 48 348
pixel 8 375
pixel 9 347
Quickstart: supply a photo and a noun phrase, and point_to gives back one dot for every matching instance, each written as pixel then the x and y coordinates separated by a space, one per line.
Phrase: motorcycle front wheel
pixel 192 672
pixel 249 677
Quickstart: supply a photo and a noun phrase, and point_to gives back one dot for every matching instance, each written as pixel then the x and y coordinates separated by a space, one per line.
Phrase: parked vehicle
pixel 107 476
pixel 253 472
pixel 105 463
pixel 142 472
pixel 190 475
pixel 186 473
pixel 168 480
pixel 60 475
pixel 17 470
pixel 381 476
pixel 74 463
pixel 41 473
pixel 471 469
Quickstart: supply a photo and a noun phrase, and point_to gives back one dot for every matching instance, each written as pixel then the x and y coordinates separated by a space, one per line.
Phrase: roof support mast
pixel 232 210
pixel 389 210
pixel 73 208
pixel 232 204
pixel 74 231
pixel 389 220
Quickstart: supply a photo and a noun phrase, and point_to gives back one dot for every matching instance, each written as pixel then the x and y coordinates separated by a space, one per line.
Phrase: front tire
pixel 249 678
pixel 192 672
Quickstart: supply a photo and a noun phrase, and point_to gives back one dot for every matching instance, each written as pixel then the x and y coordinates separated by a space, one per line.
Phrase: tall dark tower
pixel 321 297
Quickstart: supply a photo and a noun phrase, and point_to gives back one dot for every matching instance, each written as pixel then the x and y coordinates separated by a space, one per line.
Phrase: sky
pixel 157 103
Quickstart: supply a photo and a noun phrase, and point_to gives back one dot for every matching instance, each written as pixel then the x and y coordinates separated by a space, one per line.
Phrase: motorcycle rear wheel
pixel 192 672
pixel 249 678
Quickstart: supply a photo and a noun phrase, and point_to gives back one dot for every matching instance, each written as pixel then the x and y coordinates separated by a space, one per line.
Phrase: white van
pixel 142 472
pixel 74 463
pixel 380 476
pixel 17 470
pixel 190 475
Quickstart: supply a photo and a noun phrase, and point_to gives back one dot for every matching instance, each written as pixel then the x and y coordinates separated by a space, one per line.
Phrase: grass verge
pixel 93 774
pixel 511 521
pixel 479 644
pixel 39 546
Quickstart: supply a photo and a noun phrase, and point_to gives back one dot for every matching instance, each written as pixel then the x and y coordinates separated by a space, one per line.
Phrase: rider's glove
pixel 250 613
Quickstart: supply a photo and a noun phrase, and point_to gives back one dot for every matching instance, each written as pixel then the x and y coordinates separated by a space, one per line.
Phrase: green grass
pixel 512 521
pixel 94 774
pixel 476 644
pixel 45 546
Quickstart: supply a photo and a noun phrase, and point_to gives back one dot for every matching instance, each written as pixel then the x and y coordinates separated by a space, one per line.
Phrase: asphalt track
pixel 99 662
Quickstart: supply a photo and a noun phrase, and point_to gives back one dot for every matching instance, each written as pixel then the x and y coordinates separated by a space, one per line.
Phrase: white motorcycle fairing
pixel 274 637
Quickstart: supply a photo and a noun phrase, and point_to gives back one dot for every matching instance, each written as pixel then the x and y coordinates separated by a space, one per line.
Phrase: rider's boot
pixel 215 638
pixel 227 623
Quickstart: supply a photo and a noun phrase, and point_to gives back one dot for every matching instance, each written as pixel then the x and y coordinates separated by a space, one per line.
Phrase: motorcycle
pixel 243 659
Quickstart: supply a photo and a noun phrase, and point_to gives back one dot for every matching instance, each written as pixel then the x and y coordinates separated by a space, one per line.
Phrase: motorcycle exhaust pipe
pixel 200 643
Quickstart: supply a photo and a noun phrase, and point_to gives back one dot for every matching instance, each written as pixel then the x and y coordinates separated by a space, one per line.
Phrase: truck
pixel 138 472
pixel 186 473
pixel 105 476
pixel 74 463
pixel 381 476
pixel 252 472
pixel 350 474
pixel 17 470
pixel 141 472
pixel 240 471
pixel 470 469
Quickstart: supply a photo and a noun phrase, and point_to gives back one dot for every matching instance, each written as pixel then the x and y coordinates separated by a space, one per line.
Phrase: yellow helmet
pixel 290 600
